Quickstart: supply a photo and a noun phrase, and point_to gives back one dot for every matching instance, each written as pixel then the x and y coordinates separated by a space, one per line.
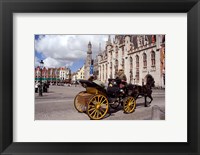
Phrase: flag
pixel 91 69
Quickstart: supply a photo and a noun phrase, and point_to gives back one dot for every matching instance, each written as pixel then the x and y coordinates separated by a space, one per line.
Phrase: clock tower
pixel 88 61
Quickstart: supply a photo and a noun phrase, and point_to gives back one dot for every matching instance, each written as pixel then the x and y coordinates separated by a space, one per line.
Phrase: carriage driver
pixel 120 75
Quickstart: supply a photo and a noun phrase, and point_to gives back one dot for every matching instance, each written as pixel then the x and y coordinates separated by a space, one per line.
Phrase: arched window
pixel 116 66
pixel 103 73
pixel 153 62
pixel 110 69
pixel 122 63
pixel 137 69
pixel 116 52
pixel 137 61
pixel 122 51
pixel 106 72
pixel 144 60
pixel 137 75
pixel 100 72
pixel 131 63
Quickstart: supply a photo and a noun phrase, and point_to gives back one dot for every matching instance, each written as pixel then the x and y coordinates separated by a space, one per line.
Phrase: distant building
pixel 54 75
pixel 74 77
pixel 38 75
pixel 64 74
pixel 81 73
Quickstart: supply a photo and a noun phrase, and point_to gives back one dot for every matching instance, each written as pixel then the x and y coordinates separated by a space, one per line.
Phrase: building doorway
pixel 149 79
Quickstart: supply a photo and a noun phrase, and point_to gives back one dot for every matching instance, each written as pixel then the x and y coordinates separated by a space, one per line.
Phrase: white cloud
pixel 65 49
pixel 37 63
pixel 51 63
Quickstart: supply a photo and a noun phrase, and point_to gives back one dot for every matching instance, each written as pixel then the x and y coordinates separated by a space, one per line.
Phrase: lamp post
pixel 41 67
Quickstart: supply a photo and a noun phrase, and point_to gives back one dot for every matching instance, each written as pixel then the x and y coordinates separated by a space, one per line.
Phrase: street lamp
pixel 41 67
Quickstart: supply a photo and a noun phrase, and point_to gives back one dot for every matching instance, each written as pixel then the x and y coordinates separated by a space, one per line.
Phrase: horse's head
pixel 151 83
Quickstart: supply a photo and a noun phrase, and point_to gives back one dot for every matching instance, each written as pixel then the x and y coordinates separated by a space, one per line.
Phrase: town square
pixel 91 64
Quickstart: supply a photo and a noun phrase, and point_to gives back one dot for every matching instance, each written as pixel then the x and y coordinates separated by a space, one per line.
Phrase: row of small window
pixel 136 75
pixel 153 62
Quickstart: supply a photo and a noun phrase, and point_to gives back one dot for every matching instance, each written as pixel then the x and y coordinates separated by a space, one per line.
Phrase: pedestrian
pixel 36 87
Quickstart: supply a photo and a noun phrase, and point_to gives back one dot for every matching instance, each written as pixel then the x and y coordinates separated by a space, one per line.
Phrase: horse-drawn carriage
pixel 97 101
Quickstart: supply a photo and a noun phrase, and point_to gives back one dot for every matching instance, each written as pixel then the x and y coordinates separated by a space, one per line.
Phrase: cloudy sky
pixel 66 50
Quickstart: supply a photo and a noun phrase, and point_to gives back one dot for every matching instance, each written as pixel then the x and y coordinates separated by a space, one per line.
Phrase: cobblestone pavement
pixel 58 104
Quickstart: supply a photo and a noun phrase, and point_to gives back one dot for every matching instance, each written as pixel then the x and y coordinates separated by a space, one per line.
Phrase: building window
pixel 116 66
pixel 106 71
pixel 100 73
pixel 137 75
pixel 131 63
pixel 153 62
pixel 110 69
pixel 123 64
pixel 137 61
pixel 103 73
pixel 137 69
pixel 116 51
pixel 144 60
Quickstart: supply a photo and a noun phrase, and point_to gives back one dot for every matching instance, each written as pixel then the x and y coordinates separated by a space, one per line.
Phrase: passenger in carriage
pixel 121 76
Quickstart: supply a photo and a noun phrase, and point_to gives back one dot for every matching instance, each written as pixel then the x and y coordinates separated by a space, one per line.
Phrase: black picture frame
pixel 8 7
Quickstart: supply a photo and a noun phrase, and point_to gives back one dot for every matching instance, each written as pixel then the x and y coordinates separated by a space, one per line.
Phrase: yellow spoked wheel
pixel 129 104
pixel 80 107
pixel 97 107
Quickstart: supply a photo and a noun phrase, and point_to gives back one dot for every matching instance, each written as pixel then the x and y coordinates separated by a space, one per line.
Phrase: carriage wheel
pixel 97 107
pixel 129 104
pixel 80 107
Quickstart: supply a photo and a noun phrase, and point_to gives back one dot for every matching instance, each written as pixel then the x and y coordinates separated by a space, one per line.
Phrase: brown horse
pixel 144 91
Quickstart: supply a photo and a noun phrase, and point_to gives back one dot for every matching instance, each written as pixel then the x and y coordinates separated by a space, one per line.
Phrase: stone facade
pixel 139 55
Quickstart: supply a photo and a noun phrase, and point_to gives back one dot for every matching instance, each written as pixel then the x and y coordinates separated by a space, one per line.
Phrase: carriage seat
pixel 93 87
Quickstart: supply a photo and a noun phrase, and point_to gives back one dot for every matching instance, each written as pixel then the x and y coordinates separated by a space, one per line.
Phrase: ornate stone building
pixel 141 57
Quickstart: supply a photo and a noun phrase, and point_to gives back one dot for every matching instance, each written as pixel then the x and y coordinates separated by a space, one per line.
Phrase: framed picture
pixel 57 54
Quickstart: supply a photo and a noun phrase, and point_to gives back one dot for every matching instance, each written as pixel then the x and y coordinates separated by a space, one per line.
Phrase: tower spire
pixel 109 40
pixel 99 47
pixel 89 48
